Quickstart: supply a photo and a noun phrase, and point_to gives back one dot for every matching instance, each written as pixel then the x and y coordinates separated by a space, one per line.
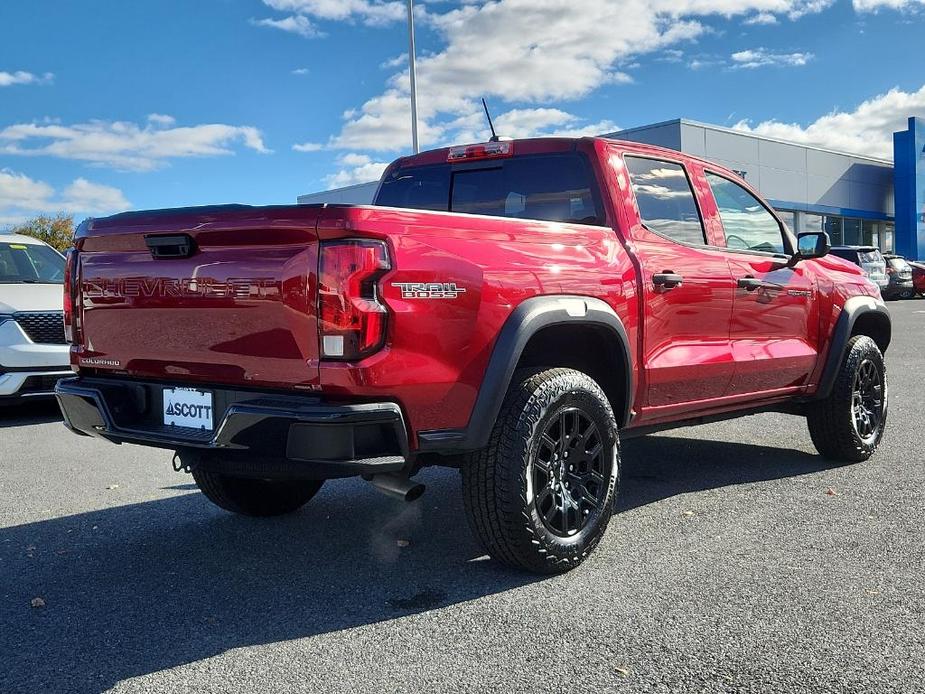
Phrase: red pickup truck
pixel 512 309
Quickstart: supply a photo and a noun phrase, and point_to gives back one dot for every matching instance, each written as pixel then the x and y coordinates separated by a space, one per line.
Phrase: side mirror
pixel 811 244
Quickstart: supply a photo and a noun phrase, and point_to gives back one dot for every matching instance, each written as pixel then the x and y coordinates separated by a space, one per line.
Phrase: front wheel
pixel 255 497
pixel 848 425
pixel 540 495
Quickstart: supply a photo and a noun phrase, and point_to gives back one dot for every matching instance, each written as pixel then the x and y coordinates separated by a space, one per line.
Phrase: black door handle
pixel 749 283
pixel 667 280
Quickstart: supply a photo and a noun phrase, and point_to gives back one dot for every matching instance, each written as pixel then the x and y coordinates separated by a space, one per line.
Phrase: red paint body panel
pixel 241 311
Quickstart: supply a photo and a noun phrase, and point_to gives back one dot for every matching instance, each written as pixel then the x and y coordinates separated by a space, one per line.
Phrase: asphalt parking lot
pixel 741 562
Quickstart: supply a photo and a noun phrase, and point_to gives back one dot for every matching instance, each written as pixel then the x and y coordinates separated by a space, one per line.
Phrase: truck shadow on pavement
pixel 35 412
pixel 136 589
pixel 658 467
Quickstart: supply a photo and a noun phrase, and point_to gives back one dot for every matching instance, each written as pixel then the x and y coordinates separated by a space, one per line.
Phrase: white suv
pixel 33 351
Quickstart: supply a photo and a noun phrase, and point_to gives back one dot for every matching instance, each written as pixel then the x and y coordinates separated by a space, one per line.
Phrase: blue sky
pixel 108 104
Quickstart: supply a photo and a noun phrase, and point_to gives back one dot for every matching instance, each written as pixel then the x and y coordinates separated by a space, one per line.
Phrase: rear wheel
pixel 540 495
pixel 907 294
pixel 255 497
pixel 848 425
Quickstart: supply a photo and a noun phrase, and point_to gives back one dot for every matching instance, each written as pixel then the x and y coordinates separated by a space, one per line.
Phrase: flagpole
pixel 414 95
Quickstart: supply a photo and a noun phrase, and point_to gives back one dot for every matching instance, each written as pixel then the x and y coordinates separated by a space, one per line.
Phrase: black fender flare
pixel 854 308
pixel 528 318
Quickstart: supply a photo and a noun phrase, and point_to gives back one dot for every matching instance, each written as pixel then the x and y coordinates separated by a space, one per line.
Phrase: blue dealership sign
pixel 909 187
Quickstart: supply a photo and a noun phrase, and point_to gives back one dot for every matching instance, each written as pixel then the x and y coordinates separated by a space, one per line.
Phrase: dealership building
pixel 858 200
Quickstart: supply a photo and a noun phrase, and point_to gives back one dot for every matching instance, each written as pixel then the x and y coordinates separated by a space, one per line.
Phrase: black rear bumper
pixel 288 435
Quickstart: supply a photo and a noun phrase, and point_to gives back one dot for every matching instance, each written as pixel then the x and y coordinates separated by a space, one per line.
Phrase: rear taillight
pixel 351 319
pixel 71 327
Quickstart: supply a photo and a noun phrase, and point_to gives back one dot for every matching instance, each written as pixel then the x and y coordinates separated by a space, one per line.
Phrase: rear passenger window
pixel 747 223
pixel 666 200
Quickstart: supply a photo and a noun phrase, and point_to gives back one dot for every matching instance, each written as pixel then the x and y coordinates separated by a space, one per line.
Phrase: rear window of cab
pixel 548 187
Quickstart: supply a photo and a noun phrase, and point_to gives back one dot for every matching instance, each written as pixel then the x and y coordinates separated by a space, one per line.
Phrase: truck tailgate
pixel 238 306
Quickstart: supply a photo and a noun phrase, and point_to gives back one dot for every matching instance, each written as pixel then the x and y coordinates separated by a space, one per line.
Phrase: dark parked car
pixel 900 274
pixel 869 259
pixel 918 277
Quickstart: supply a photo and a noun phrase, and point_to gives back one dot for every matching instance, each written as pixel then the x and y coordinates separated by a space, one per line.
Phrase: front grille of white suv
pixel 46 328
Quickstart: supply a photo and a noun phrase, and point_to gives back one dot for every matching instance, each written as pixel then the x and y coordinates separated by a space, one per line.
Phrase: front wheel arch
pixel 861 315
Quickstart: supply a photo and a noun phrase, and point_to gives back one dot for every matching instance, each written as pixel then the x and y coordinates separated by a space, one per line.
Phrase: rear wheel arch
pixel 548 331
pixel 591 348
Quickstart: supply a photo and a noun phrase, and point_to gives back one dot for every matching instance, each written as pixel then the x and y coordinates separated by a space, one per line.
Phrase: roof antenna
pixel 494 136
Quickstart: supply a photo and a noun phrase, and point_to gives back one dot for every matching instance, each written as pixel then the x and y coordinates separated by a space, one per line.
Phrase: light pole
pixel 414 95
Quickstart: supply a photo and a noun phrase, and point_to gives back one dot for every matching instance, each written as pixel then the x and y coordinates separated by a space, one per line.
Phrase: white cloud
pixel 19 191
pixel 90 197
pixel 670 55
pixel 22 196
pixel 875 5
pixel 161 119
pixel 294 24
pixel 762 18
pixel 395 62
pixel 127 146
pixel 532 122
pixel 8 79
pixel 300 71
pixel 528 52
pixel 356 168
pixel 868 129
pixel 308 147
pixel 470 127
pixel 372 12
pixel 761 57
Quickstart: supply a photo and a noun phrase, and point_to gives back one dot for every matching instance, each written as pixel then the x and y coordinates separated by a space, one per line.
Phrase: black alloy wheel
pixel 570 473
pixel 867 400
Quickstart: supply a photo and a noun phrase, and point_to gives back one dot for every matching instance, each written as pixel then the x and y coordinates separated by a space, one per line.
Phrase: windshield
pixel 900 264
pixel 30 263
pixel 871 257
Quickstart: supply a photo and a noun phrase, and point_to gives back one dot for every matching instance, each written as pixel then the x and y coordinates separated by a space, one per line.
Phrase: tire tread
pixel 494 487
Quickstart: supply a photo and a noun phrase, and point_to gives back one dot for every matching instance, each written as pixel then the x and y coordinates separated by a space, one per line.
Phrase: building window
pixel 852 232
pixel 810 222
pixel 870 233
pixel 832 226
pixel 789 218
pixel 889 241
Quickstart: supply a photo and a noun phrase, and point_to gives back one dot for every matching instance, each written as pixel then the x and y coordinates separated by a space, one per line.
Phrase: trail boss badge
pixel 429 290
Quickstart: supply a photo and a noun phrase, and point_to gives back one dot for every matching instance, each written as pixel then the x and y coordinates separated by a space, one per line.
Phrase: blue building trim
pixel 829 210
pixel 909 189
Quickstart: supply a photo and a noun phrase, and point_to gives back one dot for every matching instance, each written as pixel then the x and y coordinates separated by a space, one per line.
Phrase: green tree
pixel 57 231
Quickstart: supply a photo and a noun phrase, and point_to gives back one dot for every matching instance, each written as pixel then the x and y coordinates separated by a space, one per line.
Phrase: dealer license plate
pixel 188 407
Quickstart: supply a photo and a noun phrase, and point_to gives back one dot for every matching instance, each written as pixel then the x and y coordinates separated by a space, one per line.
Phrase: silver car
pixel 33 350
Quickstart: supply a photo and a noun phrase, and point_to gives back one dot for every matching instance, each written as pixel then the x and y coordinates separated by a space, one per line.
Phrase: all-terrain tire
pixel 510 512
pixel 255 497
pixel 842 426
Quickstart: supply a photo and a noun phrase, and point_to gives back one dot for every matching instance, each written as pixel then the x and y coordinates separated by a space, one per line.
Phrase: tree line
pixel 55 230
